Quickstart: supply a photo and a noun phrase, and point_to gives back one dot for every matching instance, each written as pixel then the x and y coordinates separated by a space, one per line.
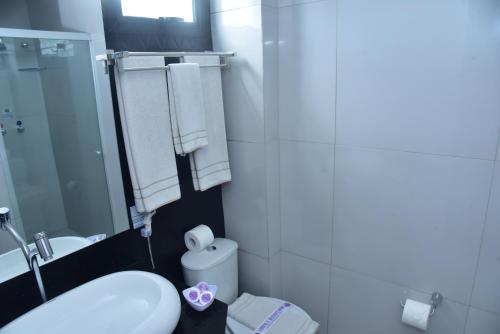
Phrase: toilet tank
pixel 216 264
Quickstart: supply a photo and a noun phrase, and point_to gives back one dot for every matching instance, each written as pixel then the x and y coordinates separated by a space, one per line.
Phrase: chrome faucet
pixel 43 248
pixel 7 226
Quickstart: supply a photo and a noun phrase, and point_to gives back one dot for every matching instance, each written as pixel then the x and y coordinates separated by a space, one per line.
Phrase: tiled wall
pixel 251 200
pixel 386 179
pixel 388 183
pixel 307 71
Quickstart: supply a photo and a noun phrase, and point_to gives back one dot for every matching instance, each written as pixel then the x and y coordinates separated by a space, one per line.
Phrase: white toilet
pixel 218 264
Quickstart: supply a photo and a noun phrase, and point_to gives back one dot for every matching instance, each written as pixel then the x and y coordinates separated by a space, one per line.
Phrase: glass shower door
pixel 51 137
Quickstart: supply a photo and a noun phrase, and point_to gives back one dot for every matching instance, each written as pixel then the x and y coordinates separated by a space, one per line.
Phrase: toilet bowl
pixel 218 264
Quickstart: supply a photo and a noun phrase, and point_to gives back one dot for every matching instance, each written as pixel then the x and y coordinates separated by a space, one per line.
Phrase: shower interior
pixel 50 147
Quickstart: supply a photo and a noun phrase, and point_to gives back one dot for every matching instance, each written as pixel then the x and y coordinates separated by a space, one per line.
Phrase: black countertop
pixel 13 305
pixel 210 321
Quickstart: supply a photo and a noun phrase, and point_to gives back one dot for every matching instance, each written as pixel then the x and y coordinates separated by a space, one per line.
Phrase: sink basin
pixel 13 263
pixel 125 302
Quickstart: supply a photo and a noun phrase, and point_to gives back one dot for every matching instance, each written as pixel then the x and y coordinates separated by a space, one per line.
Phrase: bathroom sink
pixel 125 302
pixel 13 263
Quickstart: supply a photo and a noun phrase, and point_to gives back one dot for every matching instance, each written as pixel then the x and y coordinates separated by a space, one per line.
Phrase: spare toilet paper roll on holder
pixel 436 301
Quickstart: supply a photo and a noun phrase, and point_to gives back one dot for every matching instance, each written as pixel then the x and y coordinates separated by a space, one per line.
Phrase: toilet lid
pixel 235 327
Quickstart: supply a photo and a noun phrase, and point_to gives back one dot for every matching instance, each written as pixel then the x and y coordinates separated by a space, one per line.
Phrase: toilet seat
pixel 235 327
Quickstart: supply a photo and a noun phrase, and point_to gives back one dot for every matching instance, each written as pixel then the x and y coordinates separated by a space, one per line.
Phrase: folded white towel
pixel 210 164
pixel 142 98
pixel 271 316
pixel 187 108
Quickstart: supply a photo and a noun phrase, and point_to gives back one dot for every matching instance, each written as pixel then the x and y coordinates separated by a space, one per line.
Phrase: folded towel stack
pixel 271 316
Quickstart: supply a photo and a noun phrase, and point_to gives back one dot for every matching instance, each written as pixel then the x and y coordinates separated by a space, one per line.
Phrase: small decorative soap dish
pixel 200 299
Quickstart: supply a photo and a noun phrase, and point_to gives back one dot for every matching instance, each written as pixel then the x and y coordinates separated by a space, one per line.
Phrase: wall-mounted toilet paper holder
pixel 435 301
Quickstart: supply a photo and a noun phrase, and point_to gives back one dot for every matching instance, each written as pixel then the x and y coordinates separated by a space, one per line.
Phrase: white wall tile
pixel 275 270
pixel 270 75
pixel 244 198
pixel 67 15
pixel 307 65
pixel 306 284
pixel 480 322
pixel 419 76
pixel 254 274
pixel 486 293
pixel 283 3
pixel 307 199
pixel 223 5
pixel 410 218
pixel 241 31
pixel 273 196
pixel 498 149
pixel 360 304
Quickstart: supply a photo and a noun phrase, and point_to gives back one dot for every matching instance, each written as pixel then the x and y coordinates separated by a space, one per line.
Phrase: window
pixel 159 8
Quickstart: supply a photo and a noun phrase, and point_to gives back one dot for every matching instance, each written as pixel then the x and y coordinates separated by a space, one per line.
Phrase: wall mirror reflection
pixel 53 167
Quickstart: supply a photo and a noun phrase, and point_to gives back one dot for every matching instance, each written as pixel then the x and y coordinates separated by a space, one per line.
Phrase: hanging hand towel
pixel 186 107
pixel 143 103
pixel 210 164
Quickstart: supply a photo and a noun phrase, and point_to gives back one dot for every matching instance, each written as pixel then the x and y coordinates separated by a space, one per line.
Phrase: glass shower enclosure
pixel 52 166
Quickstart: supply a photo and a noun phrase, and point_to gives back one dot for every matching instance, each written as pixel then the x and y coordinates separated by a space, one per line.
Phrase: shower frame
pixel 104 107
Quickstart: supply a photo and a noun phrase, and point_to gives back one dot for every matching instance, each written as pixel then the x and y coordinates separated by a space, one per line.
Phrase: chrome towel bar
pixel 110 59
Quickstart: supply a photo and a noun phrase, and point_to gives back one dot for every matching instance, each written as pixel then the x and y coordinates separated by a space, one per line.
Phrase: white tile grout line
pixel 466 319
pixel 300 3
pixel 236 8
pixel 367 275
pixel 374 148
pixel 485 223
pixel 332 233
pixel 279 149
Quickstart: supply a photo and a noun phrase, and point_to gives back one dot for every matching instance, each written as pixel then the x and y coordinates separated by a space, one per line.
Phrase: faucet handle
pixel 4 215
pixel 43 246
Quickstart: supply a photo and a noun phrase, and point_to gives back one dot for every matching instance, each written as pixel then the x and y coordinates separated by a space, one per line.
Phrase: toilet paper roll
pixel 199 238
pixel 416 314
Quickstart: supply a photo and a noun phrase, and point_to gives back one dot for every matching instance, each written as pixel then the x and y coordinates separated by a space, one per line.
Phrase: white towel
pixel 210 164
pixel 253 311
pixel 142 98
pixel 187 109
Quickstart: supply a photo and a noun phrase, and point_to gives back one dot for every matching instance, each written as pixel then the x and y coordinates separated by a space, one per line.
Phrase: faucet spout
pixel 34 266
pixel 43 248
pixel 6 225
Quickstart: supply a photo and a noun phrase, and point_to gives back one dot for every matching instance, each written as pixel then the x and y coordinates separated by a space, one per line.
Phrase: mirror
pixel 53 173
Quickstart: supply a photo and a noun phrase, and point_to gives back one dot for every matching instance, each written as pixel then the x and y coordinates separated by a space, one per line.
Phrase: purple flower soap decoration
pixel 194 294
pixel 200 296
pixel 202 286
pixel 206 298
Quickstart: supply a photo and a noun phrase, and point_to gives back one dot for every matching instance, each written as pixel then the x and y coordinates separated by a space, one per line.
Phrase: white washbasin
pixel 13 263
pixel 125 302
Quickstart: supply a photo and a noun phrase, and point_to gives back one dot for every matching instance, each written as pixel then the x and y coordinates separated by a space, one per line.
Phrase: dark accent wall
pixel 128 250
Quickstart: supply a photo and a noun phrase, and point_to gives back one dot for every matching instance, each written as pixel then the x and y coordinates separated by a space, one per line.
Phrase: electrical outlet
pixel 137 218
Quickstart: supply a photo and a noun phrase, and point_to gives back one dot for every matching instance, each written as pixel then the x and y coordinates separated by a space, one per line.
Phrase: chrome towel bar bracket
pixel 110 59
